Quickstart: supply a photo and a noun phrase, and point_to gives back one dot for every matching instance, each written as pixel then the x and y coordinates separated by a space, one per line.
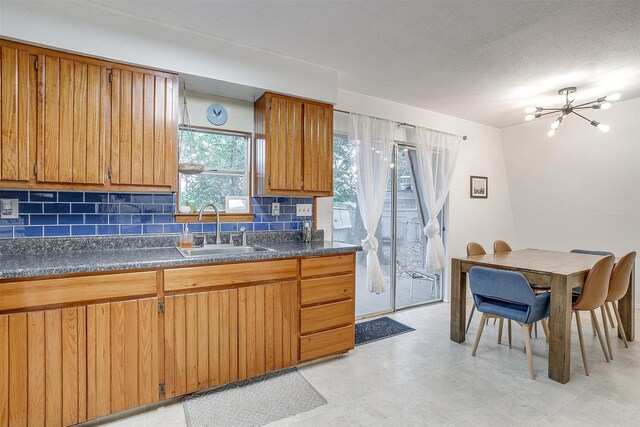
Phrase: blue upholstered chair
pixel 508 295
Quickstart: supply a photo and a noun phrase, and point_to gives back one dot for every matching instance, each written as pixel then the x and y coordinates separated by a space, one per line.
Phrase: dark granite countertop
pixel 76 260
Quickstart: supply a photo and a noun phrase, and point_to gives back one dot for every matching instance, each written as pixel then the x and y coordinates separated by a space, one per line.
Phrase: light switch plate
pixel 9 208
pixel 275 209
pixel 303 209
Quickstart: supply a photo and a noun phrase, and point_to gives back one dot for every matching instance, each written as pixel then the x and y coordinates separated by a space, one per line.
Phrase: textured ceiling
pixel 479 60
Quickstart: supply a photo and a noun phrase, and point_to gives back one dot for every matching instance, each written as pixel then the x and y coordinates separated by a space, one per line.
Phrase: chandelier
pixel 603 103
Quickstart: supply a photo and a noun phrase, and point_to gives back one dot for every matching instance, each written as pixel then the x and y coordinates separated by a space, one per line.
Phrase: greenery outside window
pixel 225 156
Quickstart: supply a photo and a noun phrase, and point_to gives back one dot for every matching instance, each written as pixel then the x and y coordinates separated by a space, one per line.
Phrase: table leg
pixel 626 307
pixel 560 329
pixel 458 302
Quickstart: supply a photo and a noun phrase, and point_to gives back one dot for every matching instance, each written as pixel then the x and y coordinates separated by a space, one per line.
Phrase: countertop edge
pixel 49 272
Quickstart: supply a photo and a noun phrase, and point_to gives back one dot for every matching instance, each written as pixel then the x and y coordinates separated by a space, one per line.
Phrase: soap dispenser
pixel 186 237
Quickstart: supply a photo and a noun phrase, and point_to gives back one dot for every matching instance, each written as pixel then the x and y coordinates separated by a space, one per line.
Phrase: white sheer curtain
pixel 372 140
pixel 436 153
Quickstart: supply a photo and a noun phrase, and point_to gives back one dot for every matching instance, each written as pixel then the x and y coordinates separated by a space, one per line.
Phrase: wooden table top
pixel 537 260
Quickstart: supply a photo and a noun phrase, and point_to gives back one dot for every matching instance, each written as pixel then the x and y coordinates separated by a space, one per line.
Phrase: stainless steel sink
pixel 219 250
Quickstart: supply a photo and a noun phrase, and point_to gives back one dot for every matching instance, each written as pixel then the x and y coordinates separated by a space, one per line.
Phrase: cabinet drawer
pixel 321 266
pixel 326 289
pixel 327 343
pixel 69 290
pixel 180 279
pixel 326 316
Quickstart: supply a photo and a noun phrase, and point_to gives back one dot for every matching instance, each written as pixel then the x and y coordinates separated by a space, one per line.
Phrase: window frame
pixel 224 216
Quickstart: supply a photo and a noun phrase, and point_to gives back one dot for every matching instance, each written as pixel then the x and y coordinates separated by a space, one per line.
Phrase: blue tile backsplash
pixel 77 213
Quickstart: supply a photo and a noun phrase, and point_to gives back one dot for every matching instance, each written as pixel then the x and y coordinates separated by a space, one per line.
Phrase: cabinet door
pixel 201 341
pixel 73 113
pixel 318 148
pixel 43 367
pixel 122 356
pixel 144 128
pixel 18 90
pixel 267 328
pixel 284 144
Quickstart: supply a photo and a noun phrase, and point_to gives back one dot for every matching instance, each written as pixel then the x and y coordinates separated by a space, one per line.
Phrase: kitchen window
pixel 225 156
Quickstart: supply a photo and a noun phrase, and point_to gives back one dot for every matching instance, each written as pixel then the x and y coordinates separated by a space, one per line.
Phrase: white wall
pixel 581 188
pixel 481 220
pixel 239 113
pixel 89 29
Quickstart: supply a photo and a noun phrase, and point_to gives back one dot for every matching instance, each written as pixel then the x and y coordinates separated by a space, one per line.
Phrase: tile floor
pixel 422 378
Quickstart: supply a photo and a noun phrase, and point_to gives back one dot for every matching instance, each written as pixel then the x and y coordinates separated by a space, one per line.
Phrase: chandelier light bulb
pixel 555 125
pixel 603 128
pixel 551 133
pixel 529 117
pixel 613 97
pixel 530 110
pixel 605 105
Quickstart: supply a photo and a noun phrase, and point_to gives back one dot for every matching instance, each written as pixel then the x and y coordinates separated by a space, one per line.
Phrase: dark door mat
pixel 379 329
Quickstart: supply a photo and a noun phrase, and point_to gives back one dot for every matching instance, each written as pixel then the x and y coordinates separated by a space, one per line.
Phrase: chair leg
pixel 545 328
pixel 606 307
pixel 529 328
pixel 593 324
pixel 509 331
pixel 527 345
pixel 475 344
pixel 620 327
pixel 535 329
pixel 602 343
pixel 580 337
pixel 473 309
pixel 494 321
pixel 500 326
pixel 606 329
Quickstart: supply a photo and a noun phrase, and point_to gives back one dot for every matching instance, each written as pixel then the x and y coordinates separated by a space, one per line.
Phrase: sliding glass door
pixel 402 243
pixel 412 284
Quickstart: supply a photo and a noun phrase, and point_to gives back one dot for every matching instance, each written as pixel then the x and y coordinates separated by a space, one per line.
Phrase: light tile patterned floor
pixel 422 378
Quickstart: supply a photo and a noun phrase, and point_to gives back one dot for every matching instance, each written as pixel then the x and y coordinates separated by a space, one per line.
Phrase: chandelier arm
pixel 583 108
pixel 550 112
pixel 580 115
pixel 586 103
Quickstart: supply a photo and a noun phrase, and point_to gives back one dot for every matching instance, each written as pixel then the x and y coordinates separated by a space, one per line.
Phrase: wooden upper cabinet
pixel 293 146
pixel 17 113
pixel 78 123
pixel 318 148
pixel 143 128
pixel 73 116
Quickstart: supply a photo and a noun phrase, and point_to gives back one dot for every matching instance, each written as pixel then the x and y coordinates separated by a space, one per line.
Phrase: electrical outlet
pixel 9 208
pixel 303 209
pixel 275 209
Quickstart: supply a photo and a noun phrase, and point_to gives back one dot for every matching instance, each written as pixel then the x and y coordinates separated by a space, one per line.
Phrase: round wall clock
pixel 217 114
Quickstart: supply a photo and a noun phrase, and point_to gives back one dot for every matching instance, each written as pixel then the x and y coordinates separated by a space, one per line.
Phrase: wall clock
pixel 217 114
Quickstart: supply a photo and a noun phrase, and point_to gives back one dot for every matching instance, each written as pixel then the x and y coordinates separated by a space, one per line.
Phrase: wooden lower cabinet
pixel 122 356
pixel 327 306
pixel 200 341
pixel 65 366
pixel 116 345
pixel 42 367
pixel 268 328
pixel 222 336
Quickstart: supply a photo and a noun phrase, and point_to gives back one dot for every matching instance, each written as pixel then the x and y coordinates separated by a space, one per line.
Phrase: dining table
pixel 556 271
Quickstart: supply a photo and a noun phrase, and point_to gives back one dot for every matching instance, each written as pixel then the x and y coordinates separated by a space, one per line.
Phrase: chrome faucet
pixel 207 205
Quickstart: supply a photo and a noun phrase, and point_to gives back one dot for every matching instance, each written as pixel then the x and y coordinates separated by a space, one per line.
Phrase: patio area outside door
pixel 402 243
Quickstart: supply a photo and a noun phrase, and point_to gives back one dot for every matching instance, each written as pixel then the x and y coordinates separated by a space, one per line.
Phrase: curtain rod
pixel 464 137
